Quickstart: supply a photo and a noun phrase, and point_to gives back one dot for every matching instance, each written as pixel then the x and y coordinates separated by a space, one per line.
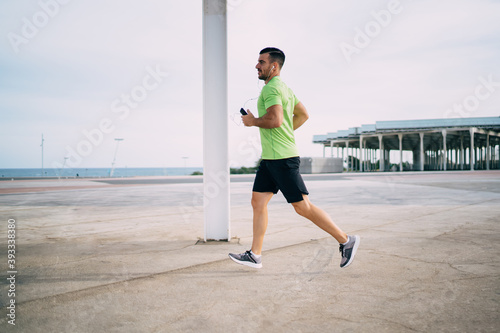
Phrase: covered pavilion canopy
pixel 436 144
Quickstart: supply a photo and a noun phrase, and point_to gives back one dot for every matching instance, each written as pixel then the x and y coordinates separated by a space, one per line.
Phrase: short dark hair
pixel 275 55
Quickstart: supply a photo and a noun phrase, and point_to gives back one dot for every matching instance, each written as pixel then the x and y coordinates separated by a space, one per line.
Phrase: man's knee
pixel 260 200
pixel 255 203
pixel 302 207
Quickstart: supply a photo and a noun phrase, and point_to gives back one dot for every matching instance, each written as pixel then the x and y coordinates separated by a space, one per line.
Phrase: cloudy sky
pixel 83 73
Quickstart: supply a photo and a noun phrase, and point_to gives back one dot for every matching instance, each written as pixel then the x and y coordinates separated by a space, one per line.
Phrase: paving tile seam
pixel 179 212
pixel 31 190
pixel 100 256
pixel 23 191
pixel 269 233
pixel 422 261
pixel 153 275
pixel 427 182
pixel 31 208
pixel 457 228
pixel 392 323
pixel 102 221
pixel 425 215
pixel 476 277
pixel 59 263
pixel 49 190
pixel 75 236
pixel 364 229
pixel 110 185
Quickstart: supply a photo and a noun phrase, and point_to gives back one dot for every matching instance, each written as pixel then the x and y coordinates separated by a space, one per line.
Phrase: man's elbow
pixel 303 118
pixel 277 123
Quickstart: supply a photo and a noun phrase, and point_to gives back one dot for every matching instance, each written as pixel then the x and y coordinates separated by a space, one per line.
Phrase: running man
pixel 280 114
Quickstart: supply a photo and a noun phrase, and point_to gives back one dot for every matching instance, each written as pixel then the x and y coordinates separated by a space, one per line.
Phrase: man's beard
pixel 262 76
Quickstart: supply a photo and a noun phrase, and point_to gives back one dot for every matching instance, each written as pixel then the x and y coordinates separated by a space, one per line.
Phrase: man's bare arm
pixel 300 115
pixel 272 119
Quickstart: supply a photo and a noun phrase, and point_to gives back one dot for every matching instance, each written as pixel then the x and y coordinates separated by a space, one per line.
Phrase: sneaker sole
pixel 354 250
pixel 246 263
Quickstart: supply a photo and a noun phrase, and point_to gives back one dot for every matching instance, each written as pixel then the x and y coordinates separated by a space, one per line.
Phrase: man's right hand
pixel 249 119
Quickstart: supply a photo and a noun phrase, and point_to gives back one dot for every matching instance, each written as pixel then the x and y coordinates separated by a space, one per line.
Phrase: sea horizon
pixel 97 172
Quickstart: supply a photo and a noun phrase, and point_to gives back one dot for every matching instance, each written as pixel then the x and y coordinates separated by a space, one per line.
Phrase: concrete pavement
pixel 123 255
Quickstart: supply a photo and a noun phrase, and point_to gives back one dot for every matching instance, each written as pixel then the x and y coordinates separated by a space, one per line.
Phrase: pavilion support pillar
pixel 348 157
pixel 462 155
pixel 400 136
pixel 488 151
pixel 445 151
pixel 471 150
pixel 361 153
pixel 422 152
pixel 343 158
pixel 381 152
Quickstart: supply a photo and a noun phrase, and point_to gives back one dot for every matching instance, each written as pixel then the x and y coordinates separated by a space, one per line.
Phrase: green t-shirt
pixel 278 143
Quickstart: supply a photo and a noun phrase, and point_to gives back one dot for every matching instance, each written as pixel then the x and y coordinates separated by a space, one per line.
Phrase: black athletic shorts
pixel 283 175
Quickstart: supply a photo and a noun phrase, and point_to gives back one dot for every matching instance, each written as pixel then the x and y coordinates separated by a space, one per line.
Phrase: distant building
pixel 435 144
pixel 321 165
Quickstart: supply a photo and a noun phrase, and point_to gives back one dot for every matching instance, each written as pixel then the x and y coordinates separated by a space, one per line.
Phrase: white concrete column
pixel 445 151
pixel 487 151
pixel 400 135
pixel 357 156
pixel 381 153
pixel 369 160
pixel 361 153
pixel 480 157
pixel 493 157
pixel 343 159
pixel 440 157
pixel 422 153
pixel 455 160
pixel 331 149
pixel 348 158
pixel 215 122
pixel 462 157
pixel 471 155
pixel 353 156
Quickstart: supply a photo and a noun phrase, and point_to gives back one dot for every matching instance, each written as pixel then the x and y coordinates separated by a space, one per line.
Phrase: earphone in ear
pixel 269 75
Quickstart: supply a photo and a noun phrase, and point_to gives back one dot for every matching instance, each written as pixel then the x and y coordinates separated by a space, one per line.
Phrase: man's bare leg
pixel 260 219
pixel 319 217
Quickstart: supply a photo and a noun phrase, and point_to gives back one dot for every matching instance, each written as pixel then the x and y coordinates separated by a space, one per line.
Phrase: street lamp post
pixel 42 153
pixel 114 158
pixel 62 169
